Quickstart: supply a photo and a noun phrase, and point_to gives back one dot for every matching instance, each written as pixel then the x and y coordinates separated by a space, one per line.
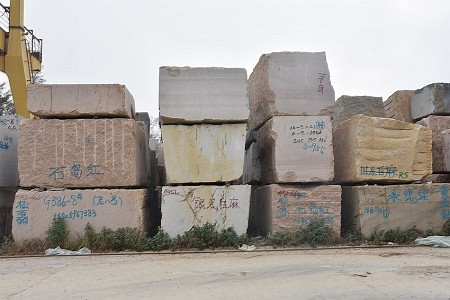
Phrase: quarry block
pixel 420 206
pixel 289 83
pixel 183 207
pixel 398 106
pixel 252 165
pixel 6 215
pixel 433 99
pixel 34 211
pixel 9 140
pixel 287 208
pixel 82 153
pixel 370 149
pixel 202 95
pixel 296 149
pixel 80 100
pixel 204 153
pixel 346 107
pixel 438 124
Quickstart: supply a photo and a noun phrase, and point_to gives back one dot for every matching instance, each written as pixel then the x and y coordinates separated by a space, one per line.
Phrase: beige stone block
pixel 438 124
pixel 252 165
pixel 204 153
pixel 82 153
pixel 224 206
pixel 346 107
pixel 6 216
pixel 9 140
pixel 34 211
pixel 282 208
pixel 80 100
pixel 398 106
pixel 369 149
pixel 202 95
pixel 369 208
pixel 296 149
pixel 289 83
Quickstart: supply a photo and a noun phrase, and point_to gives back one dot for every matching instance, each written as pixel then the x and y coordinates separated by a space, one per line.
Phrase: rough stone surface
pixel 252 165
pixel 82 153
pixel 280 208
pixel 289 83
pixel 348 106
pixel 34 211
pixel 204 153
pixel 251 136
pixel 438 124
pixel 398 106
pixel 431 99
pixel 369 149
pixel 296 149
pixel 6 216
pixel 420 206
pixel 80 100
pixel 195 95
pixel 9 140
pixel 185 206
pixel 437 178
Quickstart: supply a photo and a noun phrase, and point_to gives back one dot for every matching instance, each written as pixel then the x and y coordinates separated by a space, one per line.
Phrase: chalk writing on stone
pixel 76 171
pixel 22 208
pixel 384 171
pixel 445 203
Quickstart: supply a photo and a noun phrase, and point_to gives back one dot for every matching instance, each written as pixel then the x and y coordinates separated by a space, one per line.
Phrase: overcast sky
pixel 373 47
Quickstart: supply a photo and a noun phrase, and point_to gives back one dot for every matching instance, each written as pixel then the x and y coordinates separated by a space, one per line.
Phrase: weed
pixel 280 238
pixel 399 236
pixel 377 237
pixel 316 232
pixel 353 237
pixel 160 241
pixel 57 234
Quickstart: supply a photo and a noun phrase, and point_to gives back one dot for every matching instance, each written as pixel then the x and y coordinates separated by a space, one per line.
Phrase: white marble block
pixel 9 141
pixel 195 95
pixel 183 207
pixel 289 83
pixel 296 149
pixel 80 100
pixel 204 153
pixel 34 211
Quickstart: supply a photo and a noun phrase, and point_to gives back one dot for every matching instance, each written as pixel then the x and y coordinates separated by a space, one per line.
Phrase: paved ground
pixel 387 273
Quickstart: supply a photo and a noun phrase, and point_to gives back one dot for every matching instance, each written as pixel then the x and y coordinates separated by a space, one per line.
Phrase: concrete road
pixel 386 273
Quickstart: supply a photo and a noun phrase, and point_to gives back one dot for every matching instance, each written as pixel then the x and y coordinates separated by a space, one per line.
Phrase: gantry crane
pixel 20 53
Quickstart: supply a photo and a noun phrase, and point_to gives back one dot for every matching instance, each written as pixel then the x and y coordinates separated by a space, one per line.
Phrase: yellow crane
pixel 20 53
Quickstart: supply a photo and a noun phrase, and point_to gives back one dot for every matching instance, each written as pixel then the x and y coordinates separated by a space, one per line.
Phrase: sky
pixel 373 48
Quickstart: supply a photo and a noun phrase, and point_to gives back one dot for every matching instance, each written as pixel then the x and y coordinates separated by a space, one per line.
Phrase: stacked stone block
pixel 9 175
pixel 291 104
pixel 203 112
pixel 87 138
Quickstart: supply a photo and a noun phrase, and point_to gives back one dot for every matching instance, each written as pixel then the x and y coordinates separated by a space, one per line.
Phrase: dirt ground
pixel 374 273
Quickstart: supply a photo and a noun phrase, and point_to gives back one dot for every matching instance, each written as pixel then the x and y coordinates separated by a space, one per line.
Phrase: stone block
pixel 252 165
pixel 9 140
pixel 281 208
pixel 6 216
pixel 433 99
pixel 80 100
pixel 82 153
pixel 369 149
pixel 204 153
pixel 34 211
pixel 296 149
pixel 289 83
pixel 398 106
pixel 349 106
pixel 185 206
pixel 437 178
pixel 202 95
pixel 374 207
pixel 438 124
pixel 251 136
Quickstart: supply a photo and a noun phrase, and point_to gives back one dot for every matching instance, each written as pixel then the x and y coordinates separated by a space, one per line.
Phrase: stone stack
pixel 203 112
pixel 9 175
pixel 87 155
pixel 290 144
